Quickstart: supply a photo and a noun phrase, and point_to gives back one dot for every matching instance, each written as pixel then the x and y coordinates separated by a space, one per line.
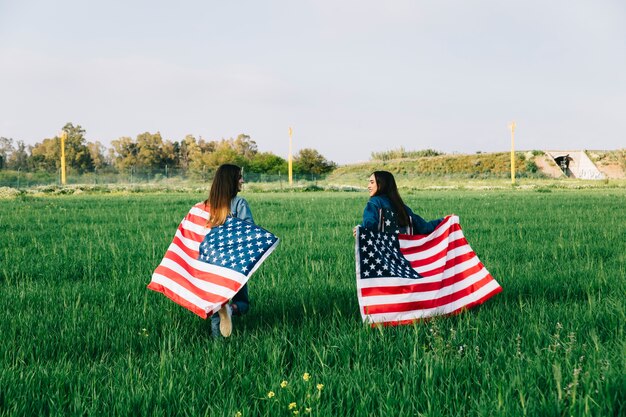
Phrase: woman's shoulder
pixel 239 208
pixel 379 201
pixel 238 200
pixel 202 205
pixel 239 203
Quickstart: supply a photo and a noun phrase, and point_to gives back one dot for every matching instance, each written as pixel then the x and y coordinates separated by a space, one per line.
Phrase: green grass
pixel 81 334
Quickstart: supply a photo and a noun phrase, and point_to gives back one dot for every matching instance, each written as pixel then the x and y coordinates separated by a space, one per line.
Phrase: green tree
pixel 187 150
pixel 20 158
pixel 267 163
pixel 224 153
pixel 198 155
pixel 150 151
pixel 6 149
pixel 46 155
pixel 170 154
pixel 210 155
pixel 310 161
pixel 124 153
pixel 77 155
pixel 244 146
pixel 97 151
pixel 203 157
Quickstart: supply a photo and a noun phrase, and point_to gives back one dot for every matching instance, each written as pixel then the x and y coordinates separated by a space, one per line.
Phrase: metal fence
pixel 21 179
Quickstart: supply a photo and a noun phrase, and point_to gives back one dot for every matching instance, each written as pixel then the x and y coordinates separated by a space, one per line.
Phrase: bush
pixel 401 153
pixel 531 167
pixel 8 192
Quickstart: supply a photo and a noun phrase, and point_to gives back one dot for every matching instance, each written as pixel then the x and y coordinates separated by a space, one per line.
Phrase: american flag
pixel 205 267
pixel 403 278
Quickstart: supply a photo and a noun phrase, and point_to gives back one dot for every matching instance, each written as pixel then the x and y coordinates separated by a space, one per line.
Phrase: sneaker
pixel 226 324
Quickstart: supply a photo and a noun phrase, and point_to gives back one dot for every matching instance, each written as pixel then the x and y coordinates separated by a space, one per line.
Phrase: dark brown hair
pixel 386 185
pixel 223 189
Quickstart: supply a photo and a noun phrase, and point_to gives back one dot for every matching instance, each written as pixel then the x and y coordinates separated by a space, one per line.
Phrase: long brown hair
pixel 224 188
pixel 386 185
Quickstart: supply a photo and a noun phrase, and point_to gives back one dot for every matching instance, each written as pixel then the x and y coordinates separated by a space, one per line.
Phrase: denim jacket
pixel 371 216
pixel 239 208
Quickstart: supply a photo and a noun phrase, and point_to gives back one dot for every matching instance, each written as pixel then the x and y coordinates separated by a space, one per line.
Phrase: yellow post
pixel 63 135
pixel 290 159
pixel 512 127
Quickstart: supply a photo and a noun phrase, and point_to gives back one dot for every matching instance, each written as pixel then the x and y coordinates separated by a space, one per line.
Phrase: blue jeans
pixel 241 302
pixel 240 305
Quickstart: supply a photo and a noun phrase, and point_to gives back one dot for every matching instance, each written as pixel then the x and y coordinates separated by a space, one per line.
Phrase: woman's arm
pixel 421 226
pixel 371 214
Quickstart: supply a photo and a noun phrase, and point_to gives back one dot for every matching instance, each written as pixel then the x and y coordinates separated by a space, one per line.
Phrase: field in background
pixel 414 170
pixel 82 335
pixel 352 182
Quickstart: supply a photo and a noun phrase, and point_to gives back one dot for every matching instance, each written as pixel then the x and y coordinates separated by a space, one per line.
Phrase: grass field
pixel 81 334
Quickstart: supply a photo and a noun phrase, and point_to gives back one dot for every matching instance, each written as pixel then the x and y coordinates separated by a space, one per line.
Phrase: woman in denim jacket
pixel 223 202
pixel 385 210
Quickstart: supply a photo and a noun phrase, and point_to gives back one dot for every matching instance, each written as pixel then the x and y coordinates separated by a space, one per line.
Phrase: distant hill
pixel 611 163
pixel 534 164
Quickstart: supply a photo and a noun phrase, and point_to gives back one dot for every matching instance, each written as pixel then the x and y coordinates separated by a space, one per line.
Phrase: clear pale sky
pixel 351 77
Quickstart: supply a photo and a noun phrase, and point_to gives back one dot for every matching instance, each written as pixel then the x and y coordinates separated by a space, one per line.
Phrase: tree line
pixel 149 152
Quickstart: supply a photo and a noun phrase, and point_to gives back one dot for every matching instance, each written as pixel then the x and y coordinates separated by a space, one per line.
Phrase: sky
pixel 350 77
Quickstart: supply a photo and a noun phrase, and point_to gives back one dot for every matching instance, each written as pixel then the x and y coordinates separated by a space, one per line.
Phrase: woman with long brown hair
pixel 385 210
pixel 223 201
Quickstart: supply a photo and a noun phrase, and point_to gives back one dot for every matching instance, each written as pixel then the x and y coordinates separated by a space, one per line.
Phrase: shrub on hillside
pixel 401 153
pixel 8 192
pixel 486 165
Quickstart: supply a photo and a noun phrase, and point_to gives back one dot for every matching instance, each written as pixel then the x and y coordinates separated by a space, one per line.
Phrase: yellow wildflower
pixel 292 406
pixel 308 410
pixel 283 384
pixel 270 394
pixel 238 414
pixel 295 412
pixel 306 376
pixel 320 387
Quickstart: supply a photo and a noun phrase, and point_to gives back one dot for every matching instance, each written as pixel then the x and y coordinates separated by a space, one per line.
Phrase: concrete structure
pixel 546 164
pixel 576 164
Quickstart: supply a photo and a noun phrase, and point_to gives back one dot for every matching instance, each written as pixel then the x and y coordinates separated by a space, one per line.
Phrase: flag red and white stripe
pixel 453 279
pixel 198 286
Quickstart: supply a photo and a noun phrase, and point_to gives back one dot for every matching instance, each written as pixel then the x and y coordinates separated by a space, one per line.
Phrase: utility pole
pixel 290 158
pixel 512 127
pixel 63 136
